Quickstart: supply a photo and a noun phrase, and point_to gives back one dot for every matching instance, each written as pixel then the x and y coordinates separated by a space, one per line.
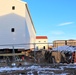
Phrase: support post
pixel 34 54
pixel 13 54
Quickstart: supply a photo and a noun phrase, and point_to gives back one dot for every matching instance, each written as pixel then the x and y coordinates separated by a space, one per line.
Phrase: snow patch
pixel 65 48
pixel 62 74
pixel 38 68
pixel 10 68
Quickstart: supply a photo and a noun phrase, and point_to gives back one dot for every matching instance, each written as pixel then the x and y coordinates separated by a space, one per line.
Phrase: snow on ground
pixel 36 68
pixel 69 66
pixel 62 74
pixel 10 68
pixel 65 48
pixel 40 70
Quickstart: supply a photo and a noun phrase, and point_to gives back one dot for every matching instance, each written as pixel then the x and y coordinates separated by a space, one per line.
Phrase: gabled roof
pixel 21 1
pixel 41 37
pixel 28 13
pixel 30 16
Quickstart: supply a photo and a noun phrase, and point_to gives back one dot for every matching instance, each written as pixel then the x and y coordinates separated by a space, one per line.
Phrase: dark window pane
pixel 12 30
pixel 13 7
pixel 65 42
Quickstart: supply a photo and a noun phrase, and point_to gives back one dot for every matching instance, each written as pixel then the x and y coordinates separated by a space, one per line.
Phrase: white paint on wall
pixel 20 20
pixel 6 7
pixel 41 43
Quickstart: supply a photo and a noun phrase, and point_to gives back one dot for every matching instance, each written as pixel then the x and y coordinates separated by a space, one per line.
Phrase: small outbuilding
pixel 42 42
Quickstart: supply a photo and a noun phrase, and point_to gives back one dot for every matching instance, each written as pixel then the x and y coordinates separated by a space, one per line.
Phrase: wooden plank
pixel 11 54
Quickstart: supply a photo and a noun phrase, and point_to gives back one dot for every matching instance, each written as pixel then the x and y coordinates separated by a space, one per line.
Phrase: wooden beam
pixel 11 54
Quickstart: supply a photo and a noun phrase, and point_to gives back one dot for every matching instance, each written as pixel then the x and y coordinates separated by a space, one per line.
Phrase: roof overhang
pixel 30 16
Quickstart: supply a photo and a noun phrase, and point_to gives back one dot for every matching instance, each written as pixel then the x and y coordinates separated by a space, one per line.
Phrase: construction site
pixel 38 61
pixel 24 53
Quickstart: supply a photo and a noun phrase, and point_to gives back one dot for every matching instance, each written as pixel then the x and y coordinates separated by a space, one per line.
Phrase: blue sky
pixel 54 18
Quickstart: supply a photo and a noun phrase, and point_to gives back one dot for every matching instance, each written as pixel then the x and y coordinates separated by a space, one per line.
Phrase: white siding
pixel 42 43
pixel 6 7
pixel 18 19
pixel 30 29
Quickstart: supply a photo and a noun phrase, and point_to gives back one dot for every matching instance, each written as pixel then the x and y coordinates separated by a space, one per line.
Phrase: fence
pixel 34 53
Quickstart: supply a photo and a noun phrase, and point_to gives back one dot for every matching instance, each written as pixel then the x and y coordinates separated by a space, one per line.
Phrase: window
pixel 44 41
pixel 12 30
pixel 39 41
pixel 43 47
pixel 65 42
pixel 13 7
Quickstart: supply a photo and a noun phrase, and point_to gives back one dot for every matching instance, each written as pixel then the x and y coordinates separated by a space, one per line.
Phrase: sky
pixel 55 19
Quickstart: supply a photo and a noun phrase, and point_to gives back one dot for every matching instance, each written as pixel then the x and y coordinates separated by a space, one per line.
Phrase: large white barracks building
pixel 16 26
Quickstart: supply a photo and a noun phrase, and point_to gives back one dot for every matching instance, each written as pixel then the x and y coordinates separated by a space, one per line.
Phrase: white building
pixel 16 26
pixel 42 42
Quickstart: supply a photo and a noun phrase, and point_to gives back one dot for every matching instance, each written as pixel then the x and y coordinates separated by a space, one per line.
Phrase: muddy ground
pixel 37 69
